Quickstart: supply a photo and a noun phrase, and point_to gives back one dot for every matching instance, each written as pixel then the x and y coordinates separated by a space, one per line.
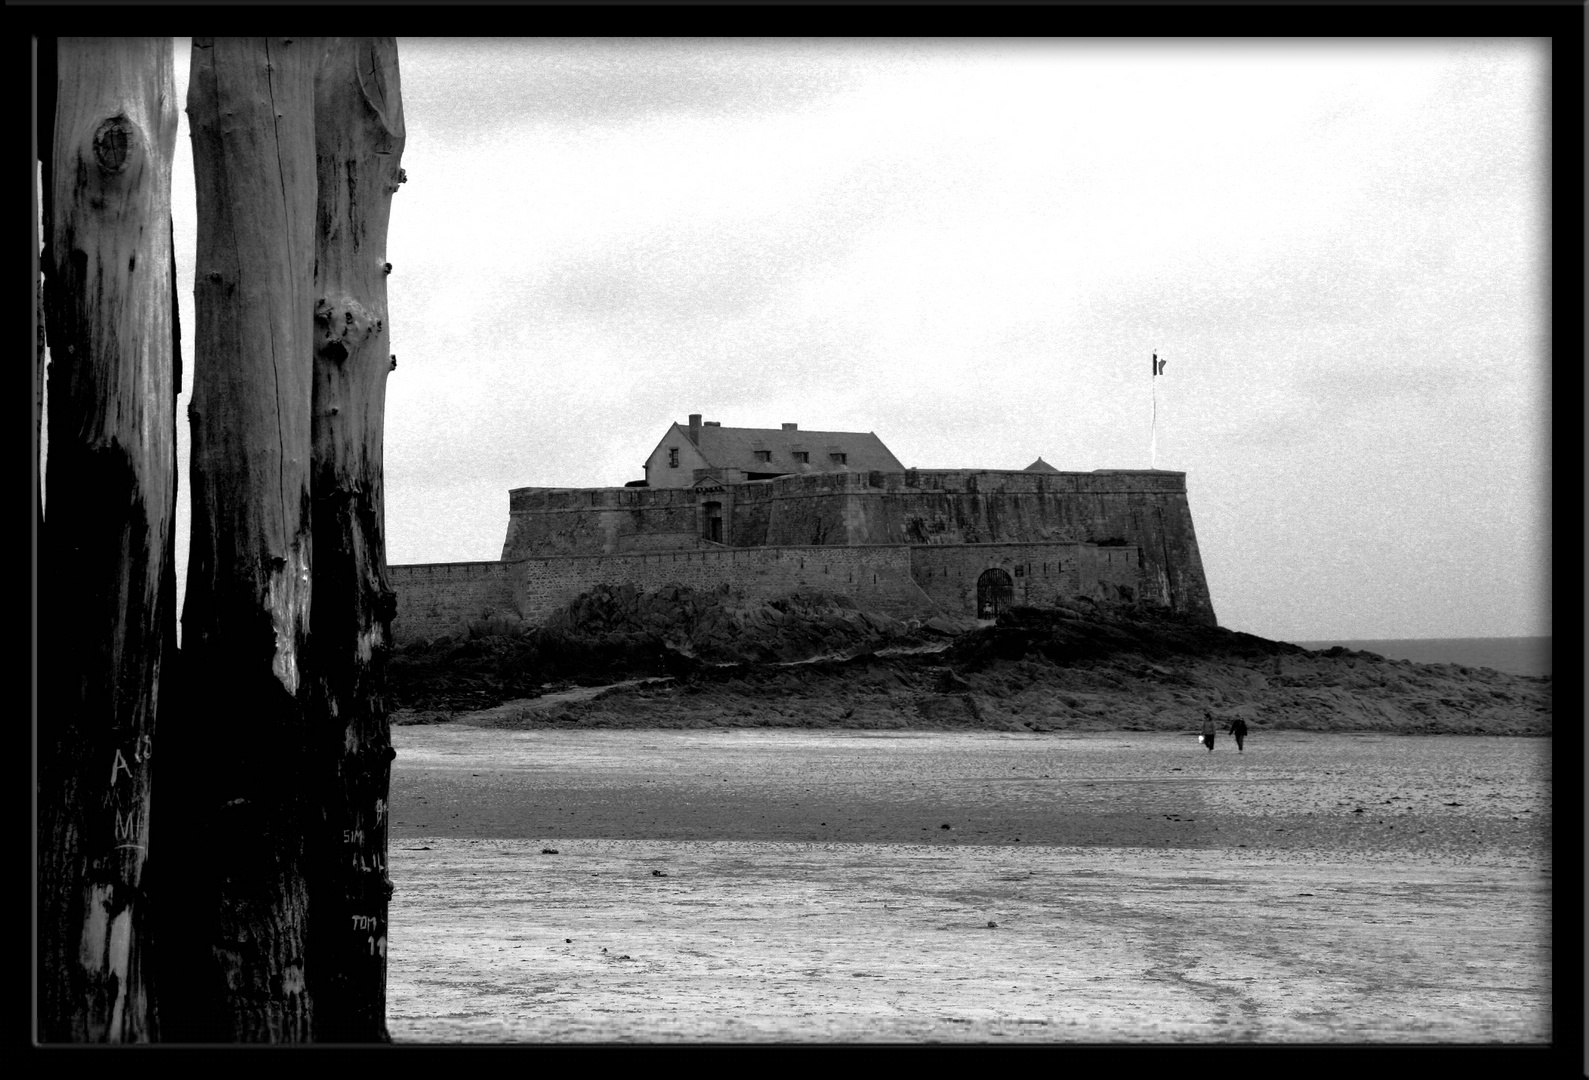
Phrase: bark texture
pixel 108 576
pixel 243 782
pixel 359 144
pixel 44 75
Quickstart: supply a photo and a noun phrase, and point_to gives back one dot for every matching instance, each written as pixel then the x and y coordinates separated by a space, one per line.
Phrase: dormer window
pixel 839 459
pixel 763 455
pixel 800 455
pixel 673 457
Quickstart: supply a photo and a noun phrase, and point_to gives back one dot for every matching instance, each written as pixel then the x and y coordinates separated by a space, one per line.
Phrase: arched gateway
pixel 995 593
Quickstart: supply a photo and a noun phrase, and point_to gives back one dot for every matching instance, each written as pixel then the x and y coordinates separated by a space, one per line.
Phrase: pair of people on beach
pixel 1238 728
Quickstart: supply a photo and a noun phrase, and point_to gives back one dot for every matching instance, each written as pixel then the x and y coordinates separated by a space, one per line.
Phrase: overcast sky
pixel 972 249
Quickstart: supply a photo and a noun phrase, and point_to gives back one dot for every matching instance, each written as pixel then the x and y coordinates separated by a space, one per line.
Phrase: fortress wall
pixel 1041 573
pixel 1112 574
pixel 1177 562
pixel 434 599
pixel 878 578
pixel 1020 482
pixel 580 521
pixel 794 511
pixel 679 541
pixel 753 507
pixel 1148 509
pixel 808 511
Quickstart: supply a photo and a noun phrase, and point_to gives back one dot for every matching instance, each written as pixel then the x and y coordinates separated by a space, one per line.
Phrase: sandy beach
pixel 730 885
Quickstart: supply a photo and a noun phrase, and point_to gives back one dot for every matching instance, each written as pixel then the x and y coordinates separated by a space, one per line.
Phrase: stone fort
pixel 762 512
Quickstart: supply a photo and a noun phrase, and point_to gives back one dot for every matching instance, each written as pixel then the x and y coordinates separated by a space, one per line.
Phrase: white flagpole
pixel 1153 438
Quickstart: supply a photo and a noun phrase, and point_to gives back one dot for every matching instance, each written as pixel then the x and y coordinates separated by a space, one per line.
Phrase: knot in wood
pixel 341 325
pixel 113 143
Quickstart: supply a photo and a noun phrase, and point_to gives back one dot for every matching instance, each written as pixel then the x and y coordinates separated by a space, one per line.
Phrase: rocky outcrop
pixel 813 660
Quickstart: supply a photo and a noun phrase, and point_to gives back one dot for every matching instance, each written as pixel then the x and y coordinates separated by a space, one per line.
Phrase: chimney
pixel 791 427
pixel 695 428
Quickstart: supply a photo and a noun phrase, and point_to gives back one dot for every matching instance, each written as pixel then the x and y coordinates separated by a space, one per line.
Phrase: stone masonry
pixel 915 542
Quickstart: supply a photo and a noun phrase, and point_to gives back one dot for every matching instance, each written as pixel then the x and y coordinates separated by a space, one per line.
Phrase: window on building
pixel 840 459
pixel 673 457
pixel 763 455
pixel 801 455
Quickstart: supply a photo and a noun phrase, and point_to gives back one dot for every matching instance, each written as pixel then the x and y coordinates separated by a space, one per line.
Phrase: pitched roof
pixel 735 448
pixel 1040 466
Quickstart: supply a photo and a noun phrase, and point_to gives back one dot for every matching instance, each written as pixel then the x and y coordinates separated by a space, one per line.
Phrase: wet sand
pixel 1141 888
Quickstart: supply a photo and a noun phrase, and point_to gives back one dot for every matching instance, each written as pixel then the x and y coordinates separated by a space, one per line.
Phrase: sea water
pixel 1514 655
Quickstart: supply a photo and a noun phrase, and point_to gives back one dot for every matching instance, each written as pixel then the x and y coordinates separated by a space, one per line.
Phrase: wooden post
pixel 44 76
pixel 108 572
pixel 242 781
pixel 359 145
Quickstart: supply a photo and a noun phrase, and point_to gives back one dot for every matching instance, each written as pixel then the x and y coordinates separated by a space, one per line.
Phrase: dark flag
pixel 1158 365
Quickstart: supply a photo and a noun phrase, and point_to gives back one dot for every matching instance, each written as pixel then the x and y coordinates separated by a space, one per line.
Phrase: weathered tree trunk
pixel 244 776
pixel 108 581
pixel 359 144
pixel 44 75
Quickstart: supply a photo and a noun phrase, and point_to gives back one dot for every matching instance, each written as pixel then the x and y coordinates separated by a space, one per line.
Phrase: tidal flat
pixel 774 885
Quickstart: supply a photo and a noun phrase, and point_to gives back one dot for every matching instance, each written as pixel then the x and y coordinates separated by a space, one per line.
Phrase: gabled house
pixel 733 455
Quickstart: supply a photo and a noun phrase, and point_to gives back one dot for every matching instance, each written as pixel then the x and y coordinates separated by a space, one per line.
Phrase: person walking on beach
pixel 1208 730
pixel 1238 728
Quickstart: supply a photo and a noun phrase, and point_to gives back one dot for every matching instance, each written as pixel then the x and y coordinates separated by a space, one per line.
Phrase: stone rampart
pixel 1146 509
pixel 897 579
pixel 588 521
pixel 1040 573
pixel 436 599
pixel 878 578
